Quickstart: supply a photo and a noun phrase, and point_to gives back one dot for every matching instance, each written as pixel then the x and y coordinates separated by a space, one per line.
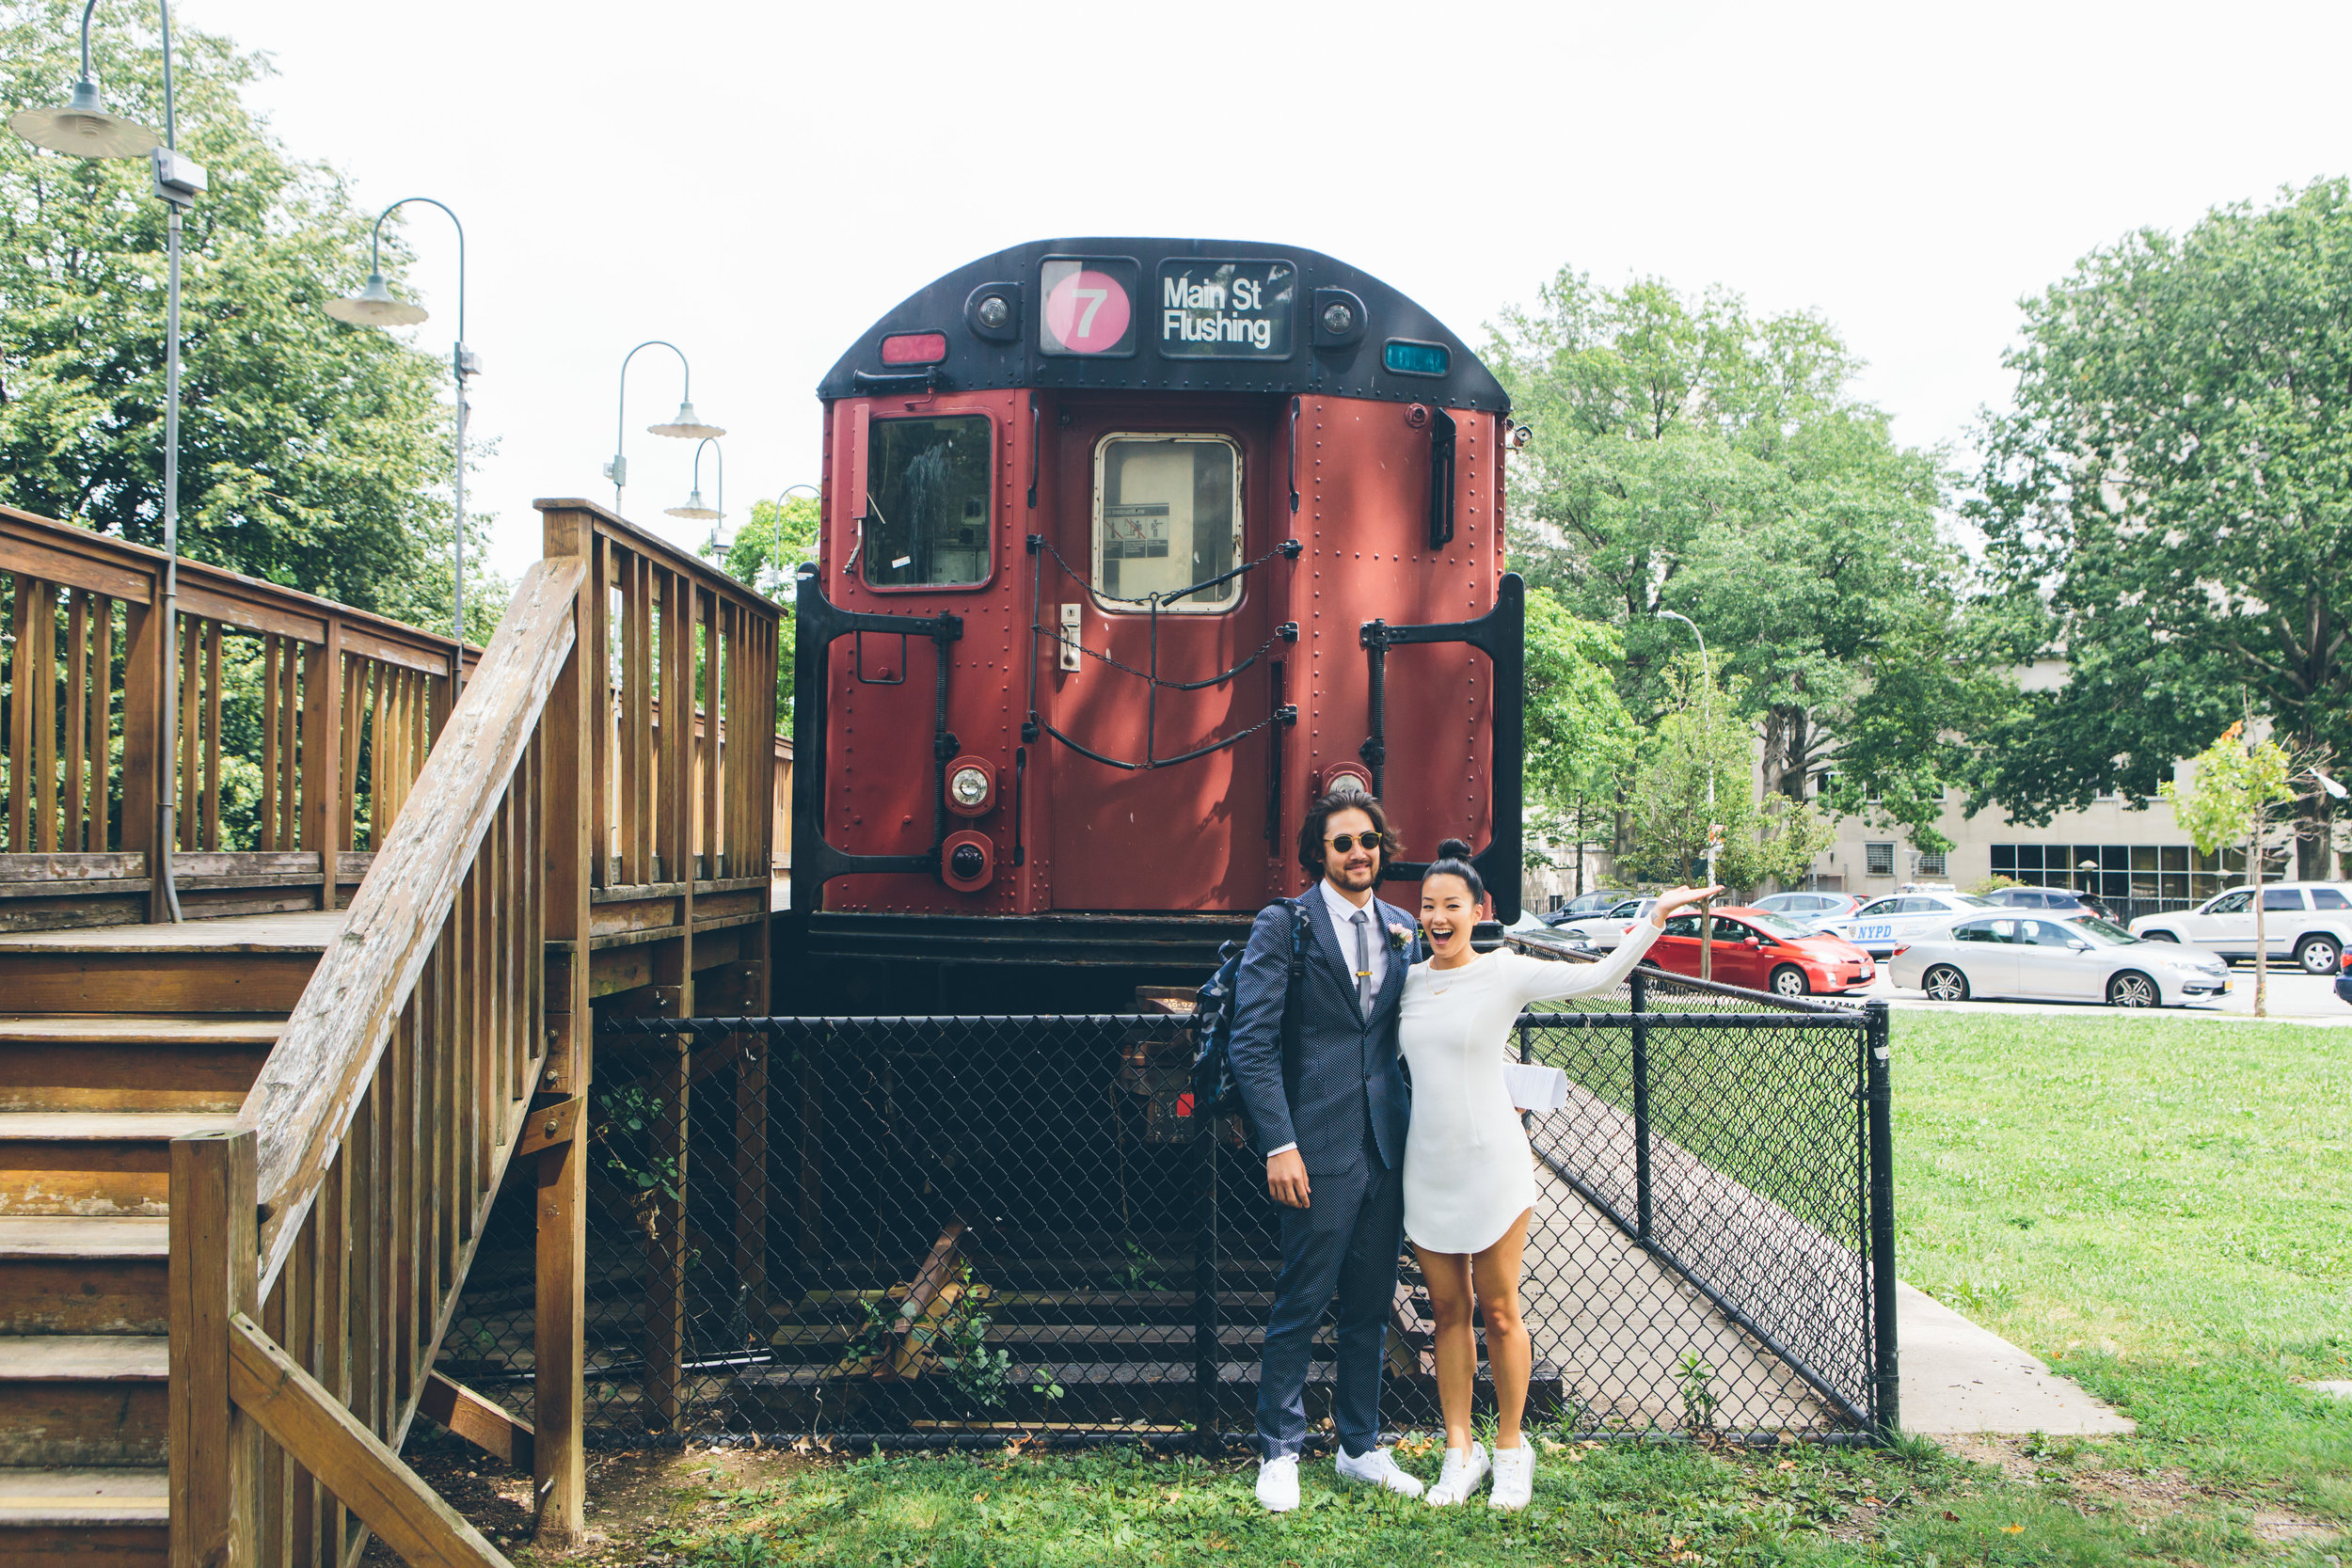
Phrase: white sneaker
pixel 1278 1484
pixel 1460 1480
pixel 1377 1468
pixel 1515 1477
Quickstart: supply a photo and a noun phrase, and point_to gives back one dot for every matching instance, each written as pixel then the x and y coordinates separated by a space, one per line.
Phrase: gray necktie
pixel 1363 961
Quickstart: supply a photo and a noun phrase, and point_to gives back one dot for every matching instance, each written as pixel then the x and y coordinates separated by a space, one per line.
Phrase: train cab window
pixel 1167 515
pixel 926 522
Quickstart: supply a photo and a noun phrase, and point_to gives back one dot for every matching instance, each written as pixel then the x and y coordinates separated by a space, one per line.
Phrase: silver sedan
pixel 2067 958
pixel 1604 930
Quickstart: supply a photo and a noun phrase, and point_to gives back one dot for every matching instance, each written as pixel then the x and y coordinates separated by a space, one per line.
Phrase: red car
pixel 1761 951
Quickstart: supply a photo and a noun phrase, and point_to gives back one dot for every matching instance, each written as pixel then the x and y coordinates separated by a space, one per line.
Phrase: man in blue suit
pixel 1325 1095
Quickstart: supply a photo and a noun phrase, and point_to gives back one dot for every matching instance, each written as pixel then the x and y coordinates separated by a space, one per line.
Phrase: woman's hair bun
pixel 1453 849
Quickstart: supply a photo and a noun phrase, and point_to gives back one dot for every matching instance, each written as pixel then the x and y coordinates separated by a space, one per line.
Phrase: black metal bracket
pixel 819 622
pixel 885 382
pixel 1501 634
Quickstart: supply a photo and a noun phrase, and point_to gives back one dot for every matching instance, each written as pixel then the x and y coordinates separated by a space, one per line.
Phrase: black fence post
pixel 1204 1314
pixel 1885 1400
pixel 1638 985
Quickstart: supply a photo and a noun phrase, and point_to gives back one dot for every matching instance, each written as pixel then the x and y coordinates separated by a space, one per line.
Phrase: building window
pixel 1877 860
pixel 1932 865
pixel 2171 875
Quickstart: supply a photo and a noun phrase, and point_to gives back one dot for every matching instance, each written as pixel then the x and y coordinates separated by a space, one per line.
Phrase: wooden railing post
pixel 567 727
pixel 215 1450
pixel 323 755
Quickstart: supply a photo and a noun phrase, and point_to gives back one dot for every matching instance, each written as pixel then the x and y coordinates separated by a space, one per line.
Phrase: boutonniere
pixel 1400 938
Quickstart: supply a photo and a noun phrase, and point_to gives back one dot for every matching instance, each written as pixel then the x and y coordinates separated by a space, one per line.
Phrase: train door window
pixel 1167 515
pixel 926 515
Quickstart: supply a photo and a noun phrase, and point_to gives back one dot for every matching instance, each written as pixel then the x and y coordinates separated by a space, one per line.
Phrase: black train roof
pixel 984 353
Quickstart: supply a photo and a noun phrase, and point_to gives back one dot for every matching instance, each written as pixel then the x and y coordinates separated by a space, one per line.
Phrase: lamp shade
pixel 83 127
pixel 687 426
pixel 374 305
pixel 693 508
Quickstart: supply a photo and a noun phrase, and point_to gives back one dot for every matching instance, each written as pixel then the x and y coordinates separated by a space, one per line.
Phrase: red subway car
pixel 1131 548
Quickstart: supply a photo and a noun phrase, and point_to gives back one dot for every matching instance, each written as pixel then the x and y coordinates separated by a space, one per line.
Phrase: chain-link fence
pixel 931 1231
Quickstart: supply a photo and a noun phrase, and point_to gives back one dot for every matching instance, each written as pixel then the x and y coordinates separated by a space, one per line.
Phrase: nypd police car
pixel 1885 924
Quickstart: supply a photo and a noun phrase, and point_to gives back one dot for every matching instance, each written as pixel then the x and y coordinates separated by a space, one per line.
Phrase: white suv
pixel 2309 921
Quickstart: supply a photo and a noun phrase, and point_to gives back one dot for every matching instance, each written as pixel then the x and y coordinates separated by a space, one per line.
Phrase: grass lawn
pixel 2157 1206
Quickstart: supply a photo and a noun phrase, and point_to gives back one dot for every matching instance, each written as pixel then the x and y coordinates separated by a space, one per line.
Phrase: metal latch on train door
pixel 1067 642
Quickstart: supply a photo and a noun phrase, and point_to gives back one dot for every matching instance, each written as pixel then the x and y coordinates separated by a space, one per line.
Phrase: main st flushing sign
pixel 1199 308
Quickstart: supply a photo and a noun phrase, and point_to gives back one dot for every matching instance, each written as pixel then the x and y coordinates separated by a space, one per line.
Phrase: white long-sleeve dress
pixel 1468 1173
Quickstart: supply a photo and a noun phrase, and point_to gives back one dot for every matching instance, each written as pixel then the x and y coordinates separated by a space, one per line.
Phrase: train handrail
pixel 1501 634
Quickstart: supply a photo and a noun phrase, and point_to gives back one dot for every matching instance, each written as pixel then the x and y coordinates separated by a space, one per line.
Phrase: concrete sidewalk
pixel 1958 1379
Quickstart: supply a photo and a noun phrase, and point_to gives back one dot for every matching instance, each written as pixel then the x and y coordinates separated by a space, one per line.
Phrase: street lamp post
pixel 1714 828
pixel 376 305
pixel 84 128
pixel 687 426
pixel 694 507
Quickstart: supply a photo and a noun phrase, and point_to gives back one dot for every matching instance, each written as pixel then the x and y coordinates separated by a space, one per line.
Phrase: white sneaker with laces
pixel 1464 1469
pixel 1377 1468
pixel 1278 1484
pixel 1515 1477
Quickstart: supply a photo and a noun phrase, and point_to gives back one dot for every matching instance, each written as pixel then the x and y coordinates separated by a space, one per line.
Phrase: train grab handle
pixel 815 861
pixel 1501 634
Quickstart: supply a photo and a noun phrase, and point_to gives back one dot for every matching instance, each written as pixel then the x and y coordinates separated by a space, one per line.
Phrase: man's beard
pixel 1357 878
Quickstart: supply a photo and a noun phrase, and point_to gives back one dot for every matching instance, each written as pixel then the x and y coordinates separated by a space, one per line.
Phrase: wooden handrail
pixel 707 578
pixel 319 1246
pixel 328 685
pixel 328 1052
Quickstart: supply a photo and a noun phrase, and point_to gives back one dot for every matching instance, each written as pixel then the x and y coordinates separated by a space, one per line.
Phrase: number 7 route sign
pixel 1089 306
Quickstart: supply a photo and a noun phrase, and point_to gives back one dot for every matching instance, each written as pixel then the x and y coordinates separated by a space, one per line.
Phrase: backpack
pixel 1214 1090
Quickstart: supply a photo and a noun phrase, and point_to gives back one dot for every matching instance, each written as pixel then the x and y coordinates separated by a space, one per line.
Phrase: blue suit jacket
pixel 1320 1077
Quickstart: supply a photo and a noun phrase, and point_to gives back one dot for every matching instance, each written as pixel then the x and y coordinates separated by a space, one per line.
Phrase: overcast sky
pixel 758 181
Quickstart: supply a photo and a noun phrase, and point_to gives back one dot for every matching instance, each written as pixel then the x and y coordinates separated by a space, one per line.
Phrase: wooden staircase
pixel 125 1038
pixel 245 1160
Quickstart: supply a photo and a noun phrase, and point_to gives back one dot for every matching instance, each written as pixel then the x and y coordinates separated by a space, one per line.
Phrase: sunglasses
pixel 1348 841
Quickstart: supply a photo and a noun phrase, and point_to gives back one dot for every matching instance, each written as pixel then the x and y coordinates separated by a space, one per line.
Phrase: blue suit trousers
pixel 1344 1241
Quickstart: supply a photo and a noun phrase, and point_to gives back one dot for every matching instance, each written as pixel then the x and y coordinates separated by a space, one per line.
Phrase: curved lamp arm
pixel 619 415
pixel 170 124
pixel 376 246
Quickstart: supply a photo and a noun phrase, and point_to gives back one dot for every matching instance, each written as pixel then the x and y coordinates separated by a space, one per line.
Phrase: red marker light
pixel 1904 948
pixel 915 348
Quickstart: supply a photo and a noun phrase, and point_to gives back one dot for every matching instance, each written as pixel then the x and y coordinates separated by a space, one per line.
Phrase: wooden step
pixel 65 1275
pixel 92 1163
pixel 132 1061
pixel 84 1519
pixel 83 1399
pixel 248 964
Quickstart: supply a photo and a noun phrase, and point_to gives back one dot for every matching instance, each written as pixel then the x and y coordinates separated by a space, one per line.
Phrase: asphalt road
pixel 2292 994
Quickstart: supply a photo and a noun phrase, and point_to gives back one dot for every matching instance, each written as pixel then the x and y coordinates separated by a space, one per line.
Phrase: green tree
pixel 2238 786
pixel 2168 505
pixel 312 453
pixel 1766 835
pixel 1689 454
pixel 1579 738
pixel 764 556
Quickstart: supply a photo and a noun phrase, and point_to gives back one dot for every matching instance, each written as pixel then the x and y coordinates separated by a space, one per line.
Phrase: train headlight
pixel 993 312
pixel 971 786
pixel 1337 320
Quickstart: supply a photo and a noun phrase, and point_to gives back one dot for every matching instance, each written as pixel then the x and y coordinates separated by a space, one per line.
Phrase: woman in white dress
pixel 1470 1181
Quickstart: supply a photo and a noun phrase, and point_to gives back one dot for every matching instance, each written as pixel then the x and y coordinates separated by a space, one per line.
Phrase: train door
pixel 1153 498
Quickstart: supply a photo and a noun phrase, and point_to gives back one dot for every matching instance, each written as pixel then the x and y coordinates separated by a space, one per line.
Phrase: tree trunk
pixel 2261 942
pixel 2314 837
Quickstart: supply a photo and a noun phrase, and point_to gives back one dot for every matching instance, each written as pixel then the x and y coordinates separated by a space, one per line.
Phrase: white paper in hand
pixel 1535 1088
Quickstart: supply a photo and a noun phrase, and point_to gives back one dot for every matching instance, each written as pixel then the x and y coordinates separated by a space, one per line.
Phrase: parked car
pixel 1881 925
pixel 2343 978
pixel 1811 910
pixel 2056 898
pixel 2309 921
pixel 1603 930
pixel 2076 958
pixel 1759 950
pixel 1586 903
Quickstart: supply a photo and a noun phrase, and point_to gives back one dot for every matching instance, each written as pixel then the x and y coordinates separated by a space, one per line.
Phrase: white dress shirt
pixel 1344 927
